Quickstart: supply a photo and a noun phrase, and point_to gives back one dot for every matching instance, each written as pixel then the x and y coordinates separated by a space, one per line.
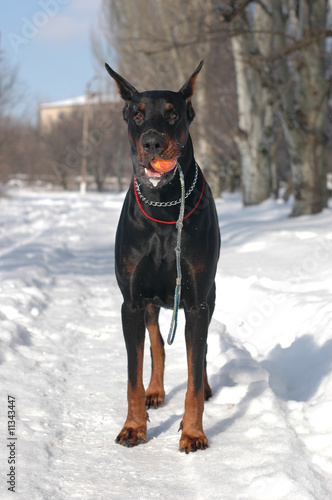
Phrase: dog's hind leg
pixel 155 393
pixel 134 429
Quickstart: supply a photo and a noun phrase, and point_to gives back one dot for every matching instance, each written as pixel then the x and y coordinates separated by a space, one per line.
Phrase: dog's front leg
pixel 193 437
pixel 134 429
pixel 155 393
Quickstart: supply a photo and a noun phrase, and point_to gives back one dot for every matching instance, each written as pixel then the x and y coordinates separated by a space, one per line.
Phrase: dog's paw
pixel 130 437
pixel 154 397
pixel 154 401
pixel 197 441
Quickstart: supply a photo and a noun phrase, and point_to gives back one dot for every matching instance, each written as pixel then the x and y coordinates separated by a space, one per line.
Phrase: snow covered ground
pixel 62 357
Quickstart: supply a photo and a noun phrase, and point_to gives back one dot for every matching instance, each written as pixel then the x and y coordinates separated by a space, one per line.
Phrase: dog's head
pixel 158 127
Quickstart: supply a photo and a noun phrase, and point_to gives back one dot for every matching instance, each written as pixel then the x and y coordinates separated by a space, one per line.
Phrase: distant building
pixel 50 112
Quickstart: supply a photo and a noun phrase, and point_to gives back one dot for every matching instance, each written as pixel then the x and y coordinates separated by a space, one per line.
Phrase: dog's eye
pixel 172 116
pixel 138 116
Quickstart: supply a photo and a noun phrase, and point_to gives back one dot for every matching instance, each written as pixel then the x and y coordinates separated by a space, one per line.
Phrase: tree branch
pixel 229 12
pixel 301 44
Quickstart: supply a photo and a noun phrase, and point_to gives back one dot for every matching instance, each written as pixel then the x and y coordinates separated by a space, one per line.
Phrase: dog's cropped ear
pixel 188 88
pixel 126 90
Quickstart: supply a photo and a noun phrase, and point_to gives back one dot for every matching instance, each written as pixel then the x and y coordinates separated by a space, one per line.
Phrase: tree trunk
pixel 254 135
pixel 308 153
pixel 204 151
pixel 160 52
pixel 304 106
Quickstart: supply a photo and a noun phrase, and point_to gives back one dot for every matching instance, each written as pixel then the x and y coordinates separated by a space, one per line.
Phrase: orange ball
pixel 162 166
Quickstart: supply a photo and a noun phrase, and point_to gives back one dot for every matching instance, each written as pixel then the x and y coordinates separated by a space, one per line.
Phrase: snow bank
pixel 62 357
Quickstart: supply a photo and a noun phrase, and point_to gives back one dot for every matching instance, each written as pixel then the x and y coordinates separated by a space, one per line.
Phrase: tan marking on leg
pixel 155 393
pixel 134 429
pixel 193 437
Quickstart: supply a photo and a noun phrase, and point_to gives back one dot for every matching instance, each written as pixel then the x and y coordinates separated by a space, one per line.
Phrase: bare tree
pixel 60 141
pixel 65 147
pixel 255 106
pixel 18 145
pixel 8 84
pixel 304 100
pixel 280 54
pixel 108 141
pixel 158 44
pixel 8 89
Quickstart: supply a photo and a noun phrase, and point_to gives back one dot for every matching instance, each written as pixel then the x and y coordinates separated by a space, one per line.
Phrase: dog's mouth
pixel 151 172
pixel 157 169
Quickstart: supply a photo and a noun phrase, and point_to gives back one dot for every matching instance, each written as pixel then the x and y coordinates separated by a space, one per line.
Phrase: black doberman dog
pixel 158 129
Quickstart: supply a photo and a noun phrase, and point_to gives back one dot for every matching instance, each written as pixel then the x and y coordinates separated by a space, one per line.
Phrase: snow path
pixel 62 356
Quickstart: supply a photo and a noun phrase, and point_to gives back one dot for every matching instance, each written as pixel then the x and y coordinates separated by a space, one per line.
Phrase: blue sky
pixel 48 42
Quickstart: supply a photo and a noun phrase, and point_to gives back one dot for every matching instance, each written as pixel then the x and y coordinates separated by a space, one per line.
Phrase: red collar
pixel 165 221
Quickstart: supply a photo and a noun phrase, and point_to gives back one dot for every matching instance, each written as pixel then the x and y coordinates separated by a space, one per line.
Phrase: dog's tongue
pixel 150 172
pixel 162 166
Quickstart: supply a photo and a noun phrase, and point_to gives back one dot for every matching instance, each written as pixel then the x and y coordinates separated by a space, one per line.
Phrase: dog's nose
pixel 152 142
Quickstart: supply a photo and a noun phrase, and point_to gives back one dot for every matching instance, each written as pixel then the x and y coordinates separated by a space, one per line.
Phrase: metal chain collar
pixel 167 203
